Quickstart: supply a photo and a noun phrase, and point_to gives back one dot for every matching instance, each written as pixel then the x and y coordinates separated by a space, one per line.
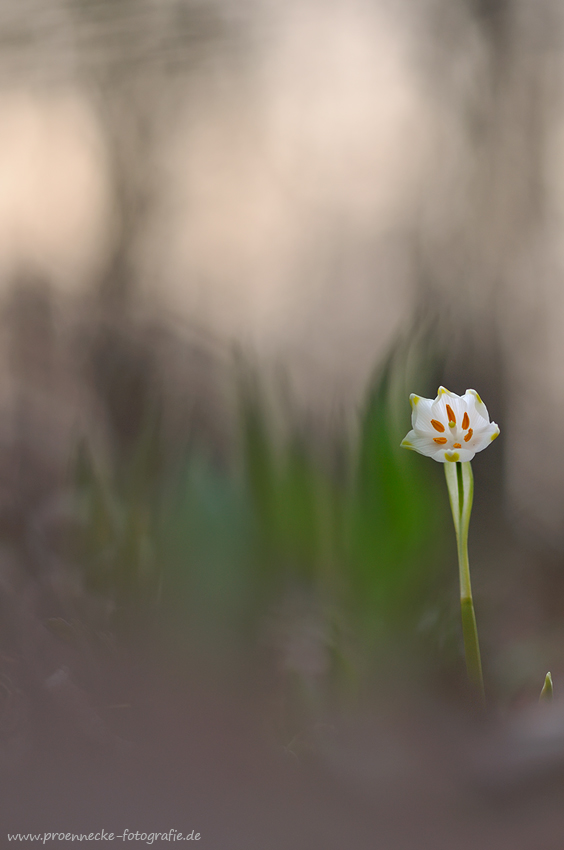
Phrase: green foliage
pixel 212 547
pixel 395 510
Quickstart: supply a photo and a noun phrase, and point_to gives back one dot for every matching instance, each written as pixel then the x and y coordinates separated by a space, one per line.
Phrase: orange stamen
pixel 450 414
pixel 468 435
pixel 457 446
pixel 465 421
pixel 440 439
pixel 438 426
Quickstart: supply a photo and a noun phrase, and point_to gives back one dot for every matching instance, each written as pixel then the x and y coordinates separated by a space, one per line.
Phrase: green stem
pixel 460 483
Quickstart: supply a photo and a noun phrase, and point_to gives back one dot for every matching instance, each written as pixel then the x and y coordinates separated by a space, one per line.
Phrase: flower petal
pixel 476 404
pixel 452 455
pixel 454 402
pixel 483 437
pixel 421 413
pixel 419 443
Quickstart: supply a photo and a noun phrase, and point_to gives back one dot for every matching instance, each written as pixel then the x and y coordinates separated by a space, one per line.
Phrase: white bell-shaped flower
pixel 450 428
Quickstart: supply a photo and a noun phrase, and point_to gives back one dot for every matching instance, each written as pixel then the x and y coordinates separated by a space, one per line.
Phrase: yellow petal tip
pixel 452 456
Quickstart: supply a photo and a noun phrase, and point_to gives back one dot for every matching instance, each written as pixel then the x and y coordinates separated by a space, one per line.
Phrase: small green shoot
pixel 546 693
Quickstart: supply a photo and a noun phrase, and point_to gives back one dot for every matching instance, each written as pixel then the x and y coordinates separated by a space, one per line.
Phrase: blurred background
pixel 234 236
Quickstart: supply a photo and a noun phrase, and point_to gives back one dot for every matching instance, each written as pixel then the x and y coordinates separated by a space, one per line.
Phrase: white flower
pixel 450 428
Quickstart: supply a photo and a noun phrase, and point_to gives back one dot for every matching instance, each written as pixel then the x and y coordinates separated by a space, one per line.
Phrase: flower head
pixel 450 428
